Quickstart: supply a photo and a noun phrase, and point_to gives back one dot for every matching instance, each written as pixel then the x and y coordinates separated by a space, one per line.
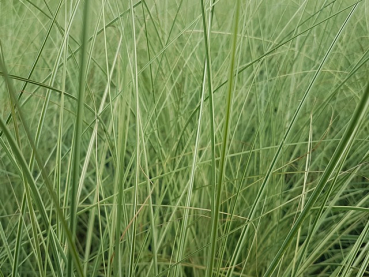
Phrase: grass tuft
pixel 184 138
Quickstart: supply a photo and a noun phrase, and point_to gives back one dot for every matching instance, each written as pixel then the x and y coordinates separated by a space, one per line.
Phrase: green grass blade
pixel 208 71
pixel 78 133
pixel 223 154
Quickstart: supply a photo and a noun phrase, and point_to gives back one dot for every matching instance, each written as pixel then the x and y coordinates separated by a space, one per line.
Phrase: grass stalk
pixel 223 154
pixel 78 133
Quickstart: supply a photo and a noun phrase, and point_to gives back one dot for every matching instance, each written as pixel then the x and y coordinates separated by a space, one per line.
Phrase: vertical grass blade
pixel 209 75
pixel 223 154
pixel 132 246
pixel 78 132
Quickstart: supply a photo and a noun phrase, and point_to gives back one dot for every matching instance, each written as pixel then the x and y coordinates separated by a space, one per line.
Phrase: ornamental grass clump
pixel 184 138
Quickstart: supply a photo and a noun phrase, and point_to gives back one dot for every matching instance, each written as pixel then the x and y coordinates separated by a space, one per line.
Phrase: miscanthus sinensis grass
pixel 184 138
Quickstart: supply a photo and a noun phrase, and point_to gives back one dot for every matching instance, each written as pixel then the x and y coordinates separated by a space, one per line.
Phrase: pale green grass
pixel 184 138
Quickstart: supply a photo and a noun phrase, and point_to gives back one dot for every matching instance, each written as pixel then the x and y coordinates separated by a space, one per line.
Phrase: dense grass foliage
pixel 184 138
